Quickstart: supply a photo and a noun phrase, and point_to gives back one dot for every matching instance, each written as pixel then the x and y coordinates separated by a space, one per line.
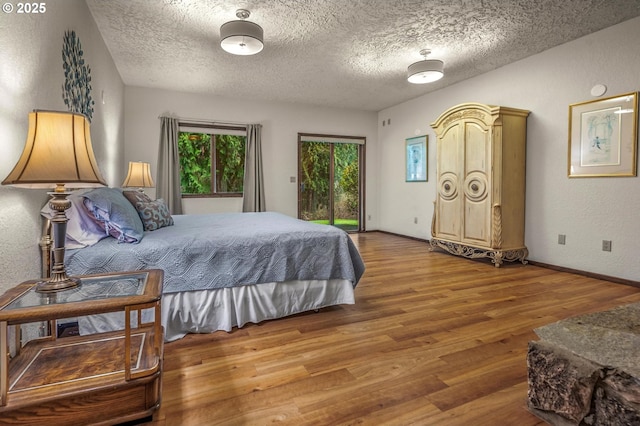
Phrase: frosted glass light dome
pixel 425 71
pixel 241 37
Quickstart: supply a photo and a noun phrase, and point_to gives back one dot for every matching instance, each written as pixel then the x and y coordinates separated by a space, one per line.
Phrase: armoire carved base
pixel 497 256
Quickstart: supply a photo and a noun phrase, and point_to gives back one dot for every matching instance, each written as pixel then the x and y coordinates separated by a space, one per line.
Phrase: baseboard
pixel 586 274
pixel 547 266
pixel 424 240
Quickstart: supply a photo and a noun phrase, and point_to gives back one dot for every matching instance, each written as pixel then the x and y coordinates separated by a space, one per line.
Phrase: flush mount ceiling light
pixel 425 71
pixel 241 37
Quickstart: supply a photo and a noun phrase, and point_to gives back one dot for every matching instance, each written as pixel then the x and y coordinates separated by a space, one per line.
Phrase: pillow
pixel 82 229
pixel 154 214
pixel 115 213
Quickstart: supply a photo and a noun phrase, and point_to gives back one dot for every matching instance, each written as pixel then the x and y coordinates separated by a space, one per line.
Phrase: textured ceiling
pixel 338 53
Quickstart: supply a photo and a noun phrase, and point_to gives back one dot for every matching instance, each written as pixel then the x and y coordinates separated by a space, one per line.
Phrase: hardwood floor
pixel 432 340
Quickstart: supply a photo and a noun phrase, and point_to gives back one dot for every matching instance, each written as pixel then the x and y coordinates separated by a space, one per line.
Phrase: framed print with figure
pixel 603 137
pixel 416 159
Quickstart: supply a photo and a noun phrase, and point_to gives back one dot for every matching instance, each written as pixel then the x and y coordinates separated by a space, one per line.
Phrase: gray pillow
pixel 115 214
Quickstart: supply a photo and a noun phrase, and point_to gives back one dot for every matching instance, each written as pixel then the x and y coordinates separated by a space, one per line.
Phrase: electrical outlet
pixel 368 217
pixel 606 245
pixel 562 239
pixel 415 220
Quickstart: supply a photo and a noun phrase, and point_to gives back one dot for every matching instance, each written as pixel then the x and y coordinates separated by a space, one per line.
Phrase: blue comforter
pixel 203 252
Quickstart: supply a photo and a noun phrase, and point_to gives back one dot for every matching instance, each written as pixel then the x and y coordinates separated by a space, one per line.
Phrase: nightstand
pixel 102 378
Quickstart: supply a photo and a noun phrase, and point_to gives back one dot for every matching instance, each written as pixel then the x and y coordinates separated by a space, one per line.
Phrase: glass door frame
pixel 332 140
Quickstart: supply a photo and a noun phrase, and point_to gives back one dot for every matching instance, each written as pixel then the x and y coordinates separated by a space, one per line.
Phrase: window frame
pixel 213 130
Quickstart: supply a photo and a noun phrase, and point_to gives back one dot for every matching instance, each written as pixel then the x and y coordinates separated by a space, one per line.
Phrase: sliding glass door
pixel 330 180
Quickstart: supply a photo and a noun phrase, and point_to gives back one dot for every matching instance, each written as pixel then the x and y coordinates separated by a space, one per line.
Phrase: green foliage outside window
pixel 315 160
pixel 198 151
pixel 315 174
pixel 346 180
pixel 229 163
pixel 195 163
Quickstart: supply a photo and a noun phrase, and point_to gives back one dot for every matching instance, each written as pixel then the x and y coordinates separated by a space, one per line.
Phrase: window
pixel 211 161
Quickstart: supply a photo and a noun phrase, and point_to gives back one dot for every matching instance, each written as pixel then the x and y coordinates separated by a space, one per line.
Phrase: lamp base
pixel 57 283
pixel 59 279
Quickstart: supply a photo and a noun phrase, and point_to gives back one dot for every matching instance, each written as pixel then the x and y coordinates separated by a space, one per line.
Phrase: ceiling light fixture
pixel 425 71
pixel 241 37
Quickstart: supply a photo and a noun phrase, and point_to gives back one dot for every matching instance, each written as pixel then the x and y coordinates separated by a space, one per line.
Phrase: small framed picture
pixel 603 136
pixel 416 162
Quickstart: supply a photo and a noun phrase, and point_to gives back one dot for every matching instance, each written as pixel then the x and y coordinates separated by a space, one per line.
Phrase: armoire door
pixel 476 184
pixel 450 148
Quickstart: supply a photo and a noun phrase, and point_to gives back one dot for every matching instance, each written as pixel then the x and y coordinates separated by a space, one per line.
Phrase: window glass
pixel 199 152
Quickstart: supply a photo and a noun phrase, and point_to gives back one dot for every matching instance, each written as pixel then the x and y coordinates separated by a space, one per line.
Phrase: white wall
pixel 31 77
pixel 281 124
pixel 587 210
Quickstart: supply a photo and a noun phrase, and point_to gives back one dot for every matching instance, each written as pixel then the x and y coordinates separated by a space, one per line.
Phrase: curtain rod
pixel 186 120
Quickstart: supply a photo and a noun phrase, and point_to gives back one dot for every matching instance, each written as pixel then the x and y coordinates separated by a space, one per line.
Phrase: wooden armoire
pixel 480 201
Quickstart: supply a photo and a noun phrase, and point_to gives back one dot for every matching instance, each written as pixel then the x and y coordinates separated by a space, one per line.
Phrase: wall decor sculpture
pixel 76 90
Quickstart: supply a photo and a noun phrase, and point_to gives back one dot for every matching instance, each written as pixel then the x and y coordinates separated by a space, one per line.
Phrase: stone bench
pixel 585 370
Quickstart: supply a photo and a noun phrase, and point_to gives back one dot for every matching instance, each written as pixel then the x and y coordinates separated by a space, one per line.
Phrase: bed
pixel 220 270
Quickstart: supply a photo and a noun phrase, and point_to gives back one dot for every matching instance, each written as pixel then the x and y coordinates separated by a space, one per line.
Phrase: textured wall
pixel 31 77
pixel 586 210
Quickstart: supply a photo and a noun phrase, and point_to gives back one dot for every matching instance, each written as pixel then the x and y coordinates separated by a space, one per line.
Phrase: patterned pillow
pixel 154 214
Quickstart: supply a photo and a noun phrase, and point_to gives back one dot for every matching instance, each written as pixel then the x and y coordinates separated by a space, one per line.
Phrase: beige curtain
pixel 253 181
pixel 168 179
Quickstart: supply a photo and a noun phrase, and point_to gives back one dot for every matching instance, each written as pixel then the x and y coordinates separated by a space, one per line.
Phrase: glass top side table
pixel 49 373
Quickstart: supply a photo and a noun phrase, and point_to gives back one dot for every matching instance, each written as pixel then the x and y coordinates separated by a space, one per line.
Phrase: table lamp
pixel 138 176
pixel 57 152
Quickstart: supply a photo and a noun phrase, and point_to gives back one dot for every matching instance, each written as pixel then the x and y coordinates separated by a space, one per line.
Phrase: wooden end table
pixel 101 378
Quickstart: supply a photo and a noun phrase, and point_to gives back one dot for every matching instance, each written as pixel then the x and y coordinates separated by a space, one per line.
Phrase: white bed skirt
pixel 207 311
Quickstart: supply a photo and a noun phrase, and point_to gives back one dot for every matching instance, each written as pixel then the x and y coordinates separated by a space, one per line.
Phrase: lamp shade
pixel 241 37
pixel 139 175
pixel 58 151
pixel 426 71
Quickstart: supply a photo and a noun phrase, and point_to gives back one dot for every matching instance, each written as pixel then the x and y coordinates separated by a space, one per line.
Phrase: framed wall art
pixel 603 137
pixel 416 159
